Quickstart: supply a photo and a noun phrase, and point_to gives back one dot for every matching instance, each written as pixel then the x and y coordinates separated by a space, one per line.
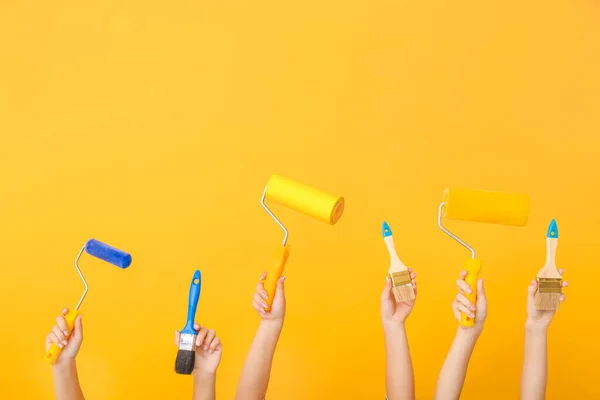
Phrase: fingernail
pixel 60 345
pixel 262 311
pixel 264 304
pixel 469 291
pixel 211 351
pixel 283 279
pixel 264 296
pixel 65 342
pixel 473 308
pixel 205 348
pixel 66 332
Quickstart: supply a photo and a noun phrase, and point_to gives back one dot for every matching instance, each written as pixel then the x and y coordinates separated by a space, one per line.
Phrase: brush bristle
pixel 184 364
pixel 547 301
pixel 404 292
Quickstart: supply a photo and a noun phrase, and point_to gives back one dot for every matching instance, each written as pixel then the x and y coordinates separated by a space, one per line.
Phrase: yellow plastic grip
pixel 473 267
pixel 275 272
pixel 54 351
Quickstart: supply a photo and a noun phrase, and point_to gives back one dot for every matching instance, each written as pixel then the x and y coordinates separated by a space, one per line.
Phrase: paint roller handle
pixel 108 253
pixel 54 351
pixel 473 267
pixel 193 298
pixel 274 273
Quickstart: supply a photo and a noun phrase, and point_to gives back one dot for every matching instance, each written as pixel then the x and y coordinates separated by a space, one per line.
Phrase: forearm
pixel 254 379
pixel 399 375
pixel 204 385
pixel 535 364
pixel 66 381
pixel 453 373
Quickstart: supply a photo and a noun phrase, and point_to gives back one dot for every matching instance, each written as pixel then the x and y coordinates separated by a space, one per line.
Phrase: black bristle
pixel 184 364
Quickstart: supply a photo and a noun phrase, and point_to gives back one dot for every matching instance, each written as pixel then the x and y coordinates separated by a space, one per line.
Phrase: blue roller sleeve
pixel 193 304
pixel 107 253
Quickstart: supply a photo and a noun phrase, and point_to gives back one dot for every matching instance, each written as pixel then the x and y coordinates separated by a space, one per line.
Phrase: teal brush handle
pixel 193 304
pixel 552 230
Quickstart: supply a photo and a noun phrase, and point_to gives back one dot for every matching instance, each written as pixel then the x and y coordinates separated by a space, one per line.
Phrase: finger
pixel 532 288
pixel 62 324
pixel 413 276
pixel 462 299
pixel 561 271
pixel 54 339
pixel 263 276
pixel 463 274
pixel 214 344
pixel 201 336
pixel 177 337
pixel 64 312
pixel 59 334
pixel 258 307
pixel 78 328
pixel 565 283
pixel 260 289
pixel 387 288
pixel 480 289
pixel 259 300
pixel 461 307
pixel 280 291
pixel 562 297
pixel 464 286
pixel 209 338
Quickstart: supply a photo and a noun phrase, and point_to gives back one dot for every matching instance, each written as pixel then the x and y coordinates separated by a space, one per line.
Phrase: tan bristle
pixel 404 292
pixel 548 295
pixel 547 301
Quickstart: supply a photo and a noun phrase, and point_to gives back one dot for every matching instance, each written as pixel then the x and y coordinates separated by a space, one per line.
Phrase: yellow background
pixel 155 125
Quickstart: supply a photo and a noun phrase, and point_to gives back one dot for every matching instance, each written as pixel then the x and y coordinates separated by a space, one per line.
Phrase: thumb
pixel 480 289
pixel 280 291
pixel 387 288
pixel 531 289
pixel 177 337
pixel 78 328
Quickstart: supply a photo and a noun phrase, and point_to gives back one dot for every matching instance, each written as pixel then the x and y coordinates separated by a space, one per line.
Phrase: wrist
pixel 64 365
pixel 272 324
pixel 394 327
pixel 536 328
pixel 203 374
pixel 469 332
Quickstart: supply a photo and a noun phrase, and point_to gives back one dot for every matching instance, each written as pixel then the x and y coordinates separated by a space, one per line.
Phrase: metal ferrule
pixel 187 342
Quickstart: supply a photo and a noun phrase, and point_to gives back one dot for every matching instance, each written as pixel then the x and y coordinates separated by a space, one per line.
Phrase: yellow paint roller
pixel 323 206
pixel 481 206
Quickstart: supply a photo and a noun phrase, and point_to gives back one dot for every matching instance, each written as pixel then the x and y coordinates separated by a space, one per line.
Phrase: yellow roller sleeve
pixel 473 267
pixel 54 351
pixel 486 206
pixel 275 272
pixel 321 205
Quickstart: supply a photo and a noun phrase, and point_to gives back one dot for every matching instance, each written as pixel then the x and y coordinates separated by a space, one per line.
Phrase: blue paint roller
pixel 104 252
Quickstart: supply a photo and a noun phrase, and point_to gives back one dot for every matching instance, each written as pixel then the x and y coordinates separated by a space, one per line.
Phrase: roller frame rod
pixel 262 202
pixel 453 236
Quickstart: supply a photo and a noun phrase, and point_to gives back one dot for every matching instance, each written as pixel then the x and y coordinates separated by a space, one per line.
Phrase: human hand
pixel 394 313
pixel 59 335
pixel 462 305
pixel 277 313
pixel 208 350
pixel 540 318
